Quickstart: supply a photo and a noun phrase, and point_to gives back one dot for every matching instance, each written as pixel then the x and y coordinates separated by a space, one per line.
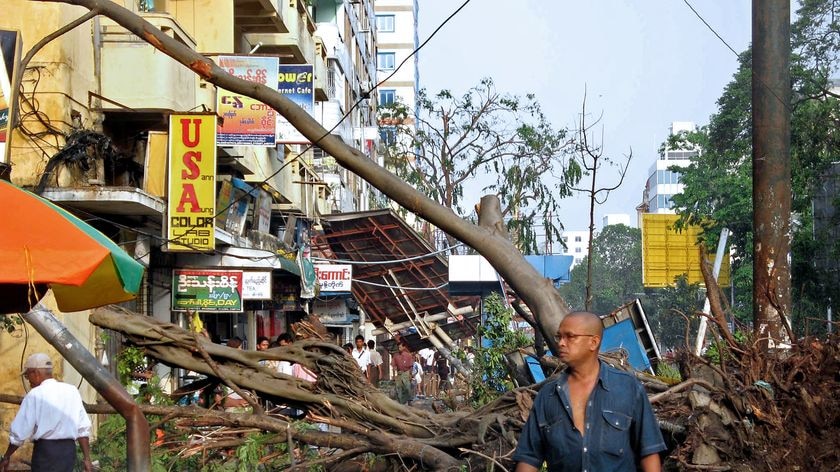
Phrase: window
pixel 385 61
pixel 385 23
pixel 577 239
pixel 577 249
pixel 388 135
pixel 387 97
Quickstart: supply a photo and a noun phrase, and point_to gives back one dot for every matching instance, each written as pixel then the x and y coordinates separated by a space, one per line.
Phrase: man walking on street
pixel 362 356
pixel 375 367
pixel 402 361
pixel 53 416
pixel 593 417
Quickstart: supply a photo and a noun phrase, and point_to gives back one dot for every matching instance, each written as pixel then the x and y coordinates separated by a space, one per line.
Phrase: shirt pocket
pixel 615 433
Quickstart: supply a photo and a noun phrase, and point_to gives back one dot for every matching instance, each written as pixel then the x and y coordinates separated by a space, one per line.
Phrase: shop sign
pixel 192 183
pixel 296 82
pixel 256 285
pixel 207 290
pixel 334 277
pixel 246 121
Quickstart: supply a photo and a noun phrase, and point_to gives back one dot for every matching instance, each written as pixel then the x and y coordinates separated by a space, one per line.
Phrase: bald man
pixel 593 417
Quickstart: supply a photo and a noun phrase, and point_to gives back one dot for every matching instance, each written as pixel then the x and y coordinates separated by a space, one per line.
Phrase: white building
pixel 615 219
pixel 396 30
pixel 662 183
pixel 577 244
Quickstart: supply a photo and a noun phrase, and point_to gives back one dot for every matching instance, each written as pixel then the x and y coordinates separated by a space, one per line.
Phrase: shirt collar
pixel 604 377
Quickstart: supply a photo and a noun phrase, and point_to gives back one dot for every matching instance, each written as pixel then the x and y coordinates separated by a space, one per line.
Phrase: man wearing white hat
pixel 53 417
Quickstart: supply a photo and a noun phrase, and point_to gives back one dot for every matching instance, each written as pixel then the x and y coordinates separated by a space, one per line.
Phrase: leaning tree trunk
pixel 488 237
pixel 370 420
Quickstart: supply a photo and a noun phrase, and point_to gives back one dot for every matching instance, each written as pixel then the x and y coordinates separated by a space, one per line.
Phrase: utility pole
pixel 771 168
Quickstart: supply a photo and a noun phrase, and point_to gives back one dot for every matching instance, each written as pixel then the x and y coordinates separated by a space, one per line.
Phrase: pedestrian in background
pixel 403 362
pixel 375 367
pixel 53 416
pixel 361 355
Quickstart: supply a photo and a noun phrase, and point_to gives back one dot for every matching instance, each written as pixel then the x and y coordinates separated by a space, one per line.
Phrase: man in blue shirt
pixel 593 418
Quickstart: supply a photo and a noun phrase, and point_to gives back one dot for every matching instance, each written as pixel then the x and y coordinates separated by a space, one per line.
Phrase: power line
pixel 395 261
pixel 364 96
pixel 400 287
pixel 710 28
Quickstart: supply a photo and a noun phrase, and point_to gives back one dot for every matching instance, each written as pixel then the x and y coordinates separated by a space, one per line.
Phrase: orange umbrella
pixel 42 245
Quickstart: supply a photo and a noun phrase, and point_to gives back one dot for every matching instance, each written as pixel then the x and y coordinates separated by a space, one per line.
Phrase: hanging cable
pixel 395 261
pixel 400 287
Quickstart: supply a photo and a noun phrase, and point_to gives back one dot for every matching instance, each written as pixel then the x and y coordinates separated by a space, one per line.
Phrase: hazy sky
pixel 643 64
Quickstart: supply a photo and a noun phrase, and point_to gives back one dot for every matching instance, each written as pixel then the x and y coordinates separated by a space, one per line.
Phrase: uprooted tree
pixel 737 399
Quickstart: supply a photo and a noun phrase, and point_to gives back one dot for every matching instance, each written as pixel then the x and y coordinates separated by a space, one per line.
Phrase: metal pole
pixel 771 168
pixel 138 448
pixel 701 330
pixel 830 327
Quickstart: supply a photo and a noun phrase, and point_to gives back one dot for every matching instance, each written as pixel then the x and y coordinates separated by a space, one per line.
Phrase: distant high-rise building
pixel 396 29
pixel 663 183
pixel 615 219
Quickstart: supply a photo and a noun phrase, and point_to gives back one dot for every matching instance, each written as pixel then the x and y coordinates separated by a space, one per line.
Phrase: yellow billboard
pixel 668 253
pixel 192 183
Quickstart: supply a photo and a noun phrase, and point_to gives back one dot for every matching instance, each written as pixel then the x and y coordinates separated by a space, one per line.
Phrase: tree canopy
pixel 489 141
pixel 718 184
pixel 616 271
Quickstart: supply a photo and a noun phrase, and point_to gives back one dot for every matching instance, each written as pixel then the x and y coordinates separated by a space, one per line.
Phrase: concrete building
pixel 396 27
pixel 615 219
pixel 663 183
pixel 94 134
pixel 577 245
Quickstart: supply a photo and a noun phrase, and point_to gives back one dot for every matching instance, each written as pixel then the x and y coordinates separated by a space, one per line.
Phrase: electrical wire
pixel 395 261
pixel 364 96
pixel 399 287
pixel 770 89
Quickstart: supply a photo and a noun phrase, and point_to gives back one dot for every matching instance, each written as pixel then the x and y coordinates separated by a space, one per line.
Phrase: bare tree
pixel 592 157
pixel 484 138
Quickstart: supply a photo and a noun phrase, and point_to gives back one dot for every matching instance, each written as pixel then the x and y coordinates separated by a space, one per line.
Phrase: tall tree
pixel 616 271
pixel 489 141
pixel 718 184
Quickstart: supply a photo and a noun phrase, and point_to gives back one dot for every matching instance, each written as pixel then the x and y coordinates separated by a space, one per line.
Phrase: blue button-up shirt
pixel 620 427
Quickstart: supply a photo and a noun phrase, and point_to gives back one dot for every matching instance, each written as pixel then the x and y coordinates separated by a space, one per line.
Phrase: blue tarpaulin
pixel 622 335
pixel 555 267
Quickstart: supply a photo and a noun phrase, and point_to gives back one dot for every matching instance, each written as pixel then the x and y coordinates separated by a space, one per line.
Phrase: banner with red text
pixel 334 277
pixel 247 122
pixel 192 183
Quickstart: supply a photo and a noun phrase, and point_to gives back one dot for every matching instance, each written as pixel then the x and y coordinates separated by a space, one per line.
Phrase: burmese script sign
pixel 334 277
pixel 256 285
pixel 207 290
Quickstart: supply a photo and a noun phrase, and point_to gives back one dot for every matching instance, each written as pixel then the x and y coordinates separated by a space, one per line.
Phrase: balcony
pixel 321 71
pixel 297 45
pixel 259 16
pixel 166 84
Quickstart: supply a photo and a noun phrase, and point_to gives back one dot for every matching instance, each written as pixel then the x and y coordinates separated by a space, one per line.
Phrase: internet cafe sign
pixel 207 290
pixel 334 277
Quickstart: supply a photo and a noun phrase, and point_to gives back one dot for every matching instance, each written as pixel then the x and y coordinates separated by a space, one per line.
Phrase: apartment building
pixel 663 183
pixel 577 245
pixel 95 128
pixel 396 27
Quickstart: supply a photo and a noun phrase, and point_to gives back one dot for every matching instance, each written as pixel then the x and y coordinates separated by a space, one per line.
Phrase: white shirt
pixel 52 410
pixel 284 367
pixel 362 358
pixel 428 354
pixel 375 358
